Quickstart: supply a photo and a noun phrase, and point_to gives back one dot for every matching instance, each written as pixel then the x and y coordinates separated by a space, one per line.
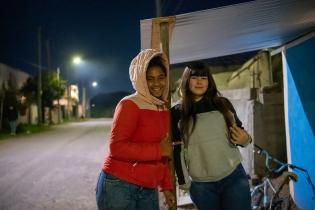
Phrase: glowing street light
pixel 77 60
pixel 94 84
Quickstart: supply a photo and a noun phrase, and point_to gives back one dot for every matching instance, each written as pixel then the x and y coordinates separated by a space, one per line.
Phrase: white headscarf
pixel 137 72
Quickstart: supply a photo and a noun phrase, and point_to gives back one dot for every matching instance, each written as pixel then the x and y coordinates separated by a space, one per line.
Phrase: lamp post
pixel 58 78
pixel 84 107
pixel 67 104
pixel 77 60
pixel 39 79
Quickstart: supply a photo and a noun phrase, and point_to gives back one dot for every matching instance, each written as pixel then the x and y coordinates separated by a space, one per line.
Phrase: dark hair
pixel 157 61
pixel 212 95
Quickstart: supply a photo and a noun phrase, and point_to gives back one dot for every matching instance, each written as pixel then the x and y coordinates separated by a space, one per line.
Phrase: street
pixel 55 169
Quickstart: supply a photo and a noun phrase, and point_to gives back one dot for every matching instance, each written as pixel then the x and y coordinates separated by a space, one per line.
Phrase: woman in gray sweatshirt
pixel 206 134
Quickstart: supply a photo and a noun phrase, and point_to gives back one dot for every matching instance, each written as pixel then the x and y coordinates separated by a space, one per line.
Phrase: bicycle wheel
pixel 281 204
pixel 257 200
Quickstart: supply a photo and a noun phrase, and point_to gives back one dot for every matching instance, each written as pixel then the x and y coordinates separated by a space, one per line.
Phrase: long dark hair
pixel 212 95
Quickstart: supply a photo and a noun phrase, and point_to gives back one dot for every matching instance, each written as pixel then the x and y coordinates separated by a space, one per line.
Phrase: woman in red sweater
pixel 139 148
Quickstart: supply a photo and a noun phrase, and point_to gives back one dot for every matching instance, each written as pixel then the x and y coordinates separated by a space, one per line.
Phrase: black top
pixel 12 113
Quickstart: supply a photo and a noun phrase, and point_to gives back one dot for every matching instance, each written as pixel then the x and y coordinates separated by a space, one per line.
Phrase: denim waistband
pixel 108 176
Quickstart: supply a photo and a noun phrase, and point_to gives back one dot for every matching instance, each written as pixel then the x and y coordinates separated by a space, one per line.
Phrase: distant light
pixel 77 60
pixel 94 84
pixel 93 105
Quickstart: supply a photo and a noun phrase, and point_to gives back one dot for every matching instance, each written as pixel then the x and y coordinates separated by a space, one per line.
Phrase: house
pixel 14 78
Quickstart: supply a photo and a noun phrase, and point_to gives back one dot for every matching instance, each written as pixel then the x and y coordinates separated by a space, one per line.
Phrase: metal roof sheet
pixel 235 29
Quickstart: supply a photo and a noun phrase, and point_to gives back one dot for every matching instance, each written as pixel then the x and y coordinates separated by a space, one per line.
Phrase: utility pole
pixel 2 98
pixel 84 101
pixel 158 8
pixel 39 81
pixel 50 118
pixel 48 55
pixel 58 78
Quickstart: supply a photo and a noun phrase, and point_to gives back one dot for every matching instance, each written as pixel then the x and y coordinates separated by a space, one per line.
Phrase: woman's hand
pixel 239 136
pixel 166 147
pixel 169 198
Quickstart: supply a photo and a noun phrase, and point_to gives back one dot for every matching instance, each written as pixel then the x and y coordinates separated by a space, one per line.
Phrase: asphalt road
pixel 56 169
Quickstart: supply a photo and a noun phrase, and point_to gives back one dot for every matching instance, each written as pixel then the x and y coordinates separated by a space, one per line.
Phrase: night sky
pixel 105 33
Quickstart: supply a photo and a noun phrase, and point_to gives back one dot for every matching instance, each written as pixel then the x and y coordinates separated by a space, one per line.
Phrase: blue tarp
pixel 300 65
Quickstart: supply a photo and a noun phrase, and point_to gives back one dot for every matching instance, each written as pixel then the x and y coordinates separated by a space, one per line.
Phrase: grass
pixel 23 129
pixel 27 128
pixel 4 134
pixel 67 120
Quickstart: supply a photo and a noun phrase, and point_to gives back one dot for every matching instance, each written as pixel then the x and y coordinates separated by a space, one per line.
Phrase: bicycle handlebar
pixel 283 165
pixel 269 158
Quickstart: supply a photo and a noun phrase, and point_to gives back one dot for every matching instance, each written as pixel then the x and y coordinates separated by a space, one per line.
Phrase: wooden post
pixel 161 31
pixel 2 98
pixel 39 80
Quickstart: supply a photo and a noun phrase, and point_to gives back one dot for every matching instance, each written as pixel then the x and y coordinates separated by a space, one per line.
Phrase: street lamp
pixel 94 84
pixel 77 60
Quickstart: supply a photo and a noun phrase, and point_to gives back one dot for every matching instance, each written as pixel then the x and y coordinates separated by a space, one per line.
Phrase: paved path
pixel 56 169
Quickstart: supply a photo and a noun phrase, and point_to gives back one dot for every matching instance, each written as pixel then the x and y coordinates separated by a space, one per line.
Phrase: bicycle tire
pixel 257 200
pixel 281 204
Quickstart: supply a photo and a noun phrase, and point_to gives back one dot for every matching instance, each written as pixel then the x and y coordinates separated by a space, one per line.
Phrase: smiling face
pixel 156 80
pixel 198 86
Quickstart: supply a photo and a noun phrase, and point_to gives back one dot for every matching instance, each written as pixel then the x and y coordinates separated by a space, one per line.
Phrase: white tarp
pixel 235 29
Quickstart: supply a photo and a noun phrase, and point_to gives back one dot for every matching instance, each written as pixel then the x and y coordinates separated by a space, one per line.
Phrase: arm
pixel 169 198
pixel 167 186
pixel 231 108
pixel 124 125
pixel 178 152
pixel 239 136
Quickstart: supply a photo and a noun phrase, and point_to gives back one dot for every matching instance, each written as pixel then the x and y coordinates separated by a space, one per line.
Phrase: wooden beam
pixel 161 32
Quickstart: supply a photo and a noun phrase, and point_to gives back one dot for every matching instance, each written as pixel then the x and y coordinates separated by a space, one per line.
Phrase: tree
pixel 29 90
pixel 52 89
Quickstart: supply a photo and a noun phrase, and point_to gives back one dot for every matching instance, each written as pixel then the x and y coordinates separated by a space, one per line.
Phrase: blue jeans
pixel 115 194
pixel 13 125
pixel 230 193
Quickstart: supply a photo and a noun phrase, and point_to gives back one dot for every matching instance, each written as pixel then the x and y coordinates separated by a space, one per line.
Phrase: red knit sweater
pixel 134 145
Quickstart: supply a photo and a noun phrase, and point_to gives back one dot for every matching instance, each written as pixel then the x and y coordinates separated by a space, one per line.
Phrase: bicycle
pixel 261 200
